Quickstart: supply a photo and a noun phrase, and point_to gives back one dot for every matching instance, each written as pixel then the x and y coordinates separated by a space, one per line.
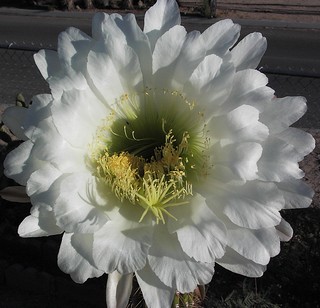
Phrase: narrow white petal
pixel 217 91
pixel 47 62
pixel 201 234
pixel 71 262
pixel 155 293
pixel 21 163
pixel 118 290
pixel 186 52
pixel 43 195
pixel 168 48
pixel 41 180
pixel 240 158
pixel 236 263
pixel 38 111
pixel 220 37
pixel 13 117
pixel 162 16
pixel 77 116
pixel 279 161
pixel 206 71
pixel 42 225
pixel 126 31
pixel 240 125
pixel 282 112
pixel 138 41
pixel 252 205
pixel 49 145
pixel 284 231
pixel 98 21
pixel 256 245
pixel 114 68
pixel 78 208
pixel 173 266
pixel 73 46
pixel 248 53
pixel 29 227
pixel 104 74
pixel 249 88
pixel 302 142
pixel 297 194
pixel 122 244
pixel 210 83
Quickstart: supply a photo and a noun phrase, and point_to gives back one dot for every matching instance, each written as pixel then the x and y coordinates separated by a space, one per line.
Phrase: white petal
pixel 104 74
pixel 43 196
pixel 137 40
pixel 115 67
pixel 122 244
pixel 155 293
pixel 41 180
pixel 210 83
pixel 48 143
pixel 71 262
pixel 256 245
pixel 236 263
pixel 61 154
pixel 47 221
pixel 168 48
pixel 38 111
pixel 297 194
pixel 302 142
pixel 78 208
pixel 248 53
pixel 29 227
pixel 77 116
pixel 206 71
pixel 73 46
pixel 174 267
pixel 282 112
pixel 162 16
pixel 252 205
pixel 240 158
pixel 21 163
pixel 13 118
pixel 284 231
pixel 201 234
pixel 220 37
pixel 39 186
pixel 249 88
pixel 41 224
pixel 47 62
pixel 279 161
pixel 126 31
pixel 118 290
pixel 240 125
pixel 98 21
pixel 186 52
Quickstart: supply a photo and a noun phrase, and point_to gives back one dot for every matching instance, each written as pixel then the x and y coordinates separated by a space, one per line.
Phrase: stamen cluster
pixel 155 184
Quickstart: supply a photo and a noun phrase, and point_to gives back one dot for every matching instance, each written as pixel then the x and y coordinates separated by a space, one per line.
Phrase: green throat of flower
pixel 150 154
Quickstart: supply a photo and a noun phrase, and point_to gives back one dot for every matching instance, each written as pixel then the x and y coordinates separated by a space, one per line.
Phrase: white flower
pixel 159 153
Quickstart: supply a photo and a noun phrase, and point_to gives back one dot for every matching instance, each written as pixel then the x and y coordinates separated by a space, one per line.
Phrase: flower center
pixel 148 153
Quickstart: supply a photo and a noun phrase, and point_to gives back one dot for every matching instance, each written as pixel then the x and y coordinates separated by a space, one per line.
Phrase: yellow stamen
pixel 155 184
